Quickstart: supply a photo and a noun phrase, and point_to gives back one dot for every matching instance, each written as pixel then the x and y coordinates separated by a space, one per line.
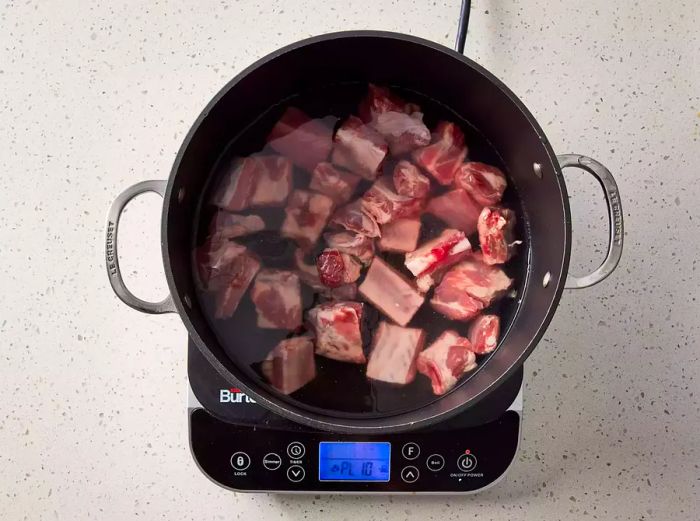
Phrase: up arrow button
pixel 409 474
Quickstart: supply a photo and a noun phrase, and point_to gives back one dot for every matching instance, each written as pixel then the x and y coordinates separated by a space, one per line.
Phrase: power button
pixel 466 462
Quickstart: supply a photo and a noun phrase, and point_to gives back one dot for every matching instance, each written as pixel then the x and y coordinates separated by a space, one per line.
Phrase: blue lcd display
pixel 354 461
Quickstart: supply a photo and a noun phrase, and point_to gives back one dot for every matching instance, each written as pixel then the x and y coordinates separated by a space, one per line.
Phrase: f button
pixel 410 451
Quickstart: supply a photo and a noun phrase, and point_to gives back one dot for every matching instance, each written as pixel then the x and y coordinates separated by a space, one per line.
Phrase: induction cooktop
pixel 244 447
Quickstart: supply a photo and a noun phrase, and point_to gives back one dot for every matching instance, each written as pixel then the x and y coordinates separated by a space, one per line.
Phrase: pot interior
pixel 499 131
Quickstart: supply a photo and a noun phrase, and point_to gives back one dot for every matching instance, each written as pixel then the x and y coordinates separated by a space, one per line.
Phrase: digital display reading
pixel 354 461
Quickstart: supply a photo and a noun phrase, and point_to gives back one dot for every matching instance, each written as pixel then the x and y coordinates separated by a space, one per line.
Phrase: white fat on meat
pixel 445 360
pixel 394 352
pixel 390 292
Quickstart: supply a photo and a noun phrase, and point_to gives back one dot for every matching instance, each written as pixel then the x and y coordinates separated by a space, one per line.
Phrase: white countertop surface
pixel 96 96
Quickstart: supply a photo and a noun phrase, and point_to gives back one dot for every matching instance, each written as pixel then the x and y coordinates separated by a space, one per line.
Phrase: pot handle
pixel 112 258
pixel 612 198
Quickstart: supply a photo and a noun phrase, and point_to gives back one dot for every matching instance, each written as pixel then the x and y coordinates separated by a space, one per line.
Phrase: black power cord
pixel 463 24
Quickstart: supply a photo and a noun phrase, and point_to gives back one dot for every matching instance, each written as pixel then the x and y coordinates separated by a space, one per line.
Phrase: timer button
pixel 240 461
pixel 295 450
pixel 295 473
pixel 435 462
pixel 272 461
pixel 410 451
pixel 410 474
pixel 467 462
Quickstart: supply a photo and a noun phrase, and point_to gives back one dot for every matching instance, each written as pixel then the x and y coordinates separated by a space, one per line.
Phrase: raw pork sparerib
pixel 306 215
pixel 485 183
pixel 409 181
pixel 290 365
pixel 445 360
pixel 394 352
pixel 390 292
pixel 483 333
pixel 457 209
pixel 337 329
pixel 305 141
pixel 359 148
pixel 469 287
pixel 400 236
pixel 443 157
pixel 277 298
pixel 226 225
pixel 336 269
pixel 334 182
pixel 495 228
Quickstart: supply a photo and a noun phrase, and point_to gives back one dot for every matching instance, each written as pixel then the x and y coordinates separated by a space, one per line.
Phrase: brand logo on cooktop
pixel 234 395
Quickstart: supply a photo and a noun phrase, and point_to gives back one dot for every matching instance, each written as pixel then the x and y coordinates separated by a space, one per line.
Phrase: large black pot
pixel 431 70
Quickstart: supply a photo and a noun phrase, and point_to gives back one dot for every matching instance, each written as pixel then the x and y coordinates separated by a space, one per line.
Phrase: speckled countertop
pixel 95 96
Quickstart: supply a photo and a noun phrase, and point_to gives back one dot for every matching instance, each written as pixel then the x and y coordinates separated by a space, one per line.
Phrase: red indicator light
pixel 235 390
pixel 467 451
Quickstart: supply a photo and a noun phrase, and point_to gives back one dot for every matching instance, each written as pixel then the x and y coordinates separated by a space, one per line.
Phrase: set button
pixel 295 450
pixel 466 462
pixel 240 461
pixel 410 450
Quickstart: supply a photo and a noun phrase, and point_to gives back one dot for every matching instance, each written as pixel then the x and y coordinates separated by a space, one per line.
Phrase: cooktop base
pixel 242 446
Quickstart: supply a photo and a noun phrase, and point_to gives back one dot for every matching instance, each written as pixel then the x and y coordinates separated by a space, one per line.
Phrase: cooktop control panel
pixel 254 458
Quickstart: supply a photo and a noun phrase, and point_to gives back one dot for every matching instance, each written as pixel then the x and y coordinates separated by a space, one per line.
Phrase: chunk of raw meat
pixel 334 182
pixel 390 292
pixel 233 284
pixel 307 214
pixel 429 278
pixel 290 365
pixel 354 244
pixel 380 100
pixel 354 218
pixel 308 274
pixel 403 132
pixel 227 225
pixel 235 188
pixel 457 209
pixel 483 334
pixel 337 327
pixel 215 258
pixel 394 352
pixel 437 252
pixel 277 298
pixel 469 287
pixel 409 181
pixel 496 234
pixel 400 235
pixel 485 183
pixel 385 205
pixel 445 360
pixel 359 148
pixel 444 155
pixel 305 141
pixel 274 181
pixel 336 269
